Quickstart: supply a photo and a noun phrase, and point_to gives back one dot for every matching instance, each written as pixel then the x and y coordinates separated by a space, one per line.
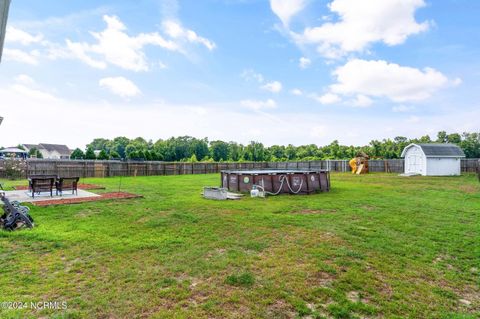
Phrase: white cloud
pixel 120 86
pixel 402 108
pixel 161 65
pixel 31 93
pixel 304 62
pixel 382 79
pixel 296 92
pixel 26 87
pixel 361 23
pixel 362 101
pixel 274 87
pixel 257 105
pixel 24 79
pixel 456 82
pixel 327 98
pixel 160 120
pixel 14 35
pixel 112 46
pixel 79 51
pixel 21 56
pixel 115 46
pixel 251 75
pixel 176 31
pixel 286 9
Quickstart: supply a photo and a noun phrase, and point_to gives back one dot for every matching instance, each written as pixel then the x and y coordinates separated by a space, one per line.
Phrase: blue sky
pixel 279 71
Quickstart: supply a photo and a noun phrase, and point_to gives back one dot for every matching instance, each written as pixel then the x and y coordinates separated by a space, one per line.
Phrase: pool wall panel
pixel 300 181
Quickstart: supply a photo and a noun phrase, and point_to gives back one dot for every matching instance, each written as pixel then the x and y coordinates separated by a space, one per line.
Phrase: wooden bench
pixel 41 184
pixel 66 184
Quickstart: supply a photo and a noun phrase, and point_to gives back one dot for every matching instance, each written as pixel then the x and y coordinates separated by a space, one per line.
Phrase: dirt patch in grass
pixel 469 297
pixel 469 189
pixel 368 207
pixel 80 186
pixel 383 286
pixel 353 296
pixel 281 310
pixel 216 252
pixel 323 279
pixel 152 216
pixel 87 213
pixel 102 197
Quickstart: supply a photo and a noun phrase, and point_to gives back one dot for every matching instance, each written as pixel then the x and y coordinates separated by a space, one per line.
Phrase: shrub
pixel 15 168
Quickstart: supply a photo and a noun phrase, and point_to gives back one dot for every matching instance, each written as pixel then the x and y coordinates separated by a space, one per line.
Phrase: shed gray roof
pixel 438 150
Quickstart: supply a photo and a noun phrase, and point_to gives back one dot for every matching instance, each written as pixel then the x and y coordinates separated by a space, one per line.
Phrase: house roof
pixel 61 149
pixel 438 150
pixel 30 146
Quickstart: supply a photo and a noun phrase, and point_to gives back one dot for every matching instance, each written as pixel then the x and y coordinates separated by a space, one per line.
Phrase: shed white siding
pixel 433 159
pixel 443 166
pixel 415 161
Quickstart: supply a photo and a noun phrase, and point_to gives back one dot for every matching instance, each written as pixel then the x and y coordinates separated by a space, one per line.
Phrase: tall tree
pixel 219 150
pixel 103 155
pixel 255 151
pixel 77 154
pixel 100 144
pixel 119 144
pixel 90 154
pixel 235 151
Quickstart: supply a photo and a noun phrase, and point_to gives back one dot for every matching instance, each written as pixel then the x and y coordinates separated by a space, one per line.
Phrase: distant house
pixel 50 151
pixel 433 159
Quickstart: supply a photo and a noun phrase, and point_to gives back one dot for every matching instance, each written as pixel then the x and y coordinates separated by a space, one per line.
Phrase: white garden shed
pixel 433 159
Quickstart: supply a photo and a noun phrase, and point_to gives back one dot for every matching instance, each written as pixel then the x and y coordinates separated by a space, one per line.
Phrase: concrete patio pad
pixel 25 196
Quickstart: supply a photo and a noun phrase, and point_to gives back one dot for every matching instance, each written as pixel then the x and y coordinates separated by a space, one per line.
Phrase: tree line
pixel 191 149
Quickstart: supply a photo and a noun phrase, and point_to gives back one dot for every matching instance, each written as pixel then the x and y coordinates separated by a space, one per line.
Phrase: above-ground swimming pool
pixel 277 181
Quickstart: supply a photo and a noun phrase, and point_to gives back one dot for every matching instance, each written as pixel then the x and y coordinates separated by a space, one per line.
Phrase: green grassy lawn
pixel 376 246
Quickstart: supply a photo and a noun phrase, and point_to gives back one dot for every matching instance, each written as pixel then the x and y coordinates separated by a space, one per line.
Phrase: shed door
pixel 415 161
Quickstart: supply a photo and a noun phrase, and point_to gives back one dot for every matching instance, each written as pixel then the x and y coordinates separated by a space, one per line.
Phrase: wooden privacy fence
pixel 470 165
pixel 89 168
